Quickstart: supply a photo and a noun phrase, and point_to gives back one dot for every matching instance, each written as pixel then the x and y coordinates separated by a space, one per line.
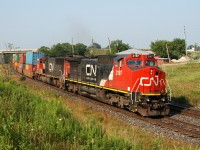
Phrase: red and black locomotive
pixel 132 81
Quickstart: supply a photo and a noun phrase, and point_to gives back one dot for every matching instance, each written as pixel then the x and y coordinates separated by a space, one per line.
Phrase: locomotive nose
pixel 153 81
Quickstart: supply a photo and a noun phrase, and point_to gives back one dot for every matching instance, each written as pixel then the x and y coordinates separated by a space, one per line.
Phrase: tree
pixel 159 47
pixel 118 46
pixel 95 46
pixel 80 49
pixel 176 48
pixel 10 46
pixel 67 48
pixel 57 50
pixel 61 49
pixel 45 50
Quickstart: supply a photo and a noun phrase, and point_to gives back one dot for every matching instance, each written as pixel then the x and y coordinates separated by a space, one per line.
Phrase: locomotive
pixel 131 81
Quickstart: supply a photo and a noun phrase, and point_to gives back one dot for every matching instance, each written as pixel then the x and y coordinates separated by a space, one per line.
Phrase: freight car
pixel 133 81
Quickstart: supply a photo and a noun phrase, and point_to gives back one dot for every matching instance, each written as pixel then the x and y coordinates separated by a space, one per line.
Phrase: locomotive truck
pixel 131 81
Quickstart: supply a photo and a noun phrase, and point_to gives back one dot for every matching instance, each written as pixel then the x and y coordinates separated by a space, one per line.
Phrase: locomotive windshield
pixel 134 64
pixel 150 63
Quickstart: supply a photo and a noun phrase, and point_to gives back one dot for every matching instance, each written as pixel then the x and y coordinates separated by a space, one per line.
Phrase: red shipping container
pixel 40 65
pixel 30 68
pixel 16 64
pixel 22 58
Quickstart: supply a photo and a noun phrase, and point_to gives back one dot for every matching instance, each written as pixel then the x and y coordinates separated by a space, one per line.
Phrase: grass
pixel 29 122
pixel 184 80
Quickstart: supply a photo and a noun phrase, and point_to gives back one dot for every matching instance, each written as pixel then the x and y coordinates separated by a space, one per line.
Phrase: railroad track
pixel 186 111
pixel 182 127
pixel 178 126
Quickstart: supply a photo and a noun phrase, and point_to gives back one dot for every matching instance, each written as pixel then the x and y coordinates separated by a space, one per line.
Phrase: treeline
pixel 175 48
pixel 63 49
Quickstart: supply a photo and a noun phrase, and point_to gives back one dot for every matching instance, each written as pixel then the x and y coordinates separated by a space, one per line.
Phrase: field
pixel 34 117
pixel 97 52
pixel 184 81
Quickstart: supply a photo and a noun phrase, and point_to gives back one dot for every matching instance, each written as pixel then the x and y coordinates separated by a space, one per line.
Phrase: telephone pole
pixel 72 48
pixel 185 41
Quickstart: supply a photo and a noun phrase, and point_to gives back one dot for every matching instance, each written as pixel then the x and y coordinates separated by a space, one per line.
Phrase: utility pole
pixel 168 53
pixel 117 47
pixel 185 41
pixel 93 47
pixel 72 48
pixel 109 44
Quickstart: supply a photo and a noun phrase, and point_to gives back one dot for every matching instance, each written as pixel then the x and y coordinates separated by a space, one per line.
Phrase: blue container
pixel 32 57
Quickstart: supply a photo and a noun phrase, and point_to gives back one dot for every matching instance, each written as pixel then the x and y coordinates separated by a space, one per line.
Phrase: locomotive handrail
pixel 132 90
pixel 170 95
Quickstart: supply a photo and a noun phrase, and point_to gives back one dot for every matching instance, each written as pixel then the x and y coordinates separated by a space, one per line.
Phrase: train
pixel 130 81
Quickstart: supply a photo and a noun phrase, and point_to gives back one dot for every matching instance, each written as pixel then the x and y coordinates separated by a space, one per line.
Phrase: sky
pixel 36 23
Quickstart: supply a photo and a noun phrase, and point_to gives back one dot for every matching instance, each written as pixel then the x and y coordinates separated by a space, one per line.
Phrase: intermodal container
pixel 32 57
pixel 30 67
pixel 22 66
pixel 22 58
pixel 15 57
pixel 16 64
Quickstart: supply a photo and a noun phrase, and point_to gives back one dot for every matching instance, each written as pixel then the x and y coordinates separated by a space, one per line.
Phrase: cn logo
pixel 91 69
pixel 51 67
pixel 151 80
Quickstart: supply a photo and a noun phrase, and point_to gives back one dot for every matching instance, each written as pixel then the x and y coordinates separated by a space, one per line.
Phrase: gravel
pixel 187 119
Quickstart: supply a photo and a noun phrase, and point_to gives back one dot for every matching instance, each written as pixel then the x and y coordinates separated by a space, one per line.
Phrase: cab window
pixel 134 62
pixel 150 63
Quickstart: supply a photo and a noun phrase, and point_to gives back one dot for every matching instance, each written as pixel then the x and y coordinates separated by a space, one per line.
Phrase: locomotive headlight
pixel 151 72
pixel 163 99
pixel 147 99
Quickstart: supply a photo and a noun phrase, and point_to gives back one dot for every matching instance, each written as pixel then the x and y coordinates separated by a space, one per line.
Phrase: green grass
pixel 184 80
pixel 29 122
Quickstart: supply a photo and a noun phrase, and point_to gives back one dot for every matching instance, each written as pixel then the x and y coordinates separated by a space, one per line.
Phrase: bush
pixel 22 78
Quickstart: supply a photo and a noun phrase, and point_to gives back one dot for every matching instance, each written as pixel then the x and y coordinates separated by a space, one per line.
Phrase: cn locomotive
pixel 132 81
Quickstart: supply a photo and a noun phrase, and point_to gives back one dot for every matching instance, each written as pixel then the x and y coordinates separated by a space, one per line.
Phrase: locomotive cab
pixel 140 75
pixel 152 99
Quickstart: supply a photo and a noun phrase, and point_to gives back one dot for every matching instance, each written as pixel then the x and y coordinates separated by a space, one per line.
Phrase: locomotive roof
pixel 135 51
pixel 68 58
pixel 73 58
pixel 120 57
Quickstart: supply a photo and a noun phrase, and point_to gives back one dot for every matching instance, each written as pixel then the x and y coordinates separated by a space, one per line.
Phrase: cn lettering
pixel 91 70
